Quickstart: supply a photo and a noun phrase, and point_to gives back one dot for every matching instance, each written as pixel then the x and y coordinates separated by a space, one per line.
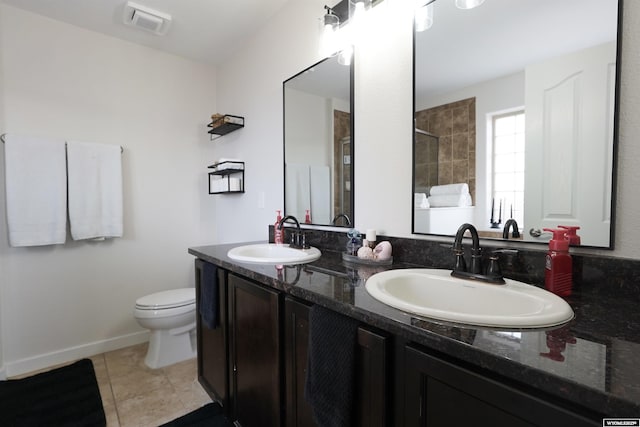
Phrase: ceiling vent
pixel 146 19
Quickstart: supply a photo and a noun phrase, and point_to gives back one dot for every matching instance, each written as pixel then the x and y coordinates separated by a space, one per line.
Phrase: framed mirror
pixel 516 118
pixel 318 144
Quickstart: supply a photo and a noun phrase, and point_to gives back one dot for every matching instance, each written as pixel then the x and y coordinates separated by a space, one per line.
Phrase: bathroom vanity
pixel 410 371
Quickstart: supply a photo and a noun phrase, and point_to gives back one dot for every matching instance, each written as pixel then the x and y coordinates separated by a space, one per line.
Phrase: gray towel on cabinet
pixel 208 307
pixel 329 385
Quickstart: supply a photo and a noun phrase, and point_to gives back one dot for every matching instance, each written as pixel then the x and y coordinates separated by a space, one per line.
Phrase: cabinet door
pixel 213 356
pixel 371 379
pixel 298 411
pixel 370 399
pixel 254 313
pixel 439 393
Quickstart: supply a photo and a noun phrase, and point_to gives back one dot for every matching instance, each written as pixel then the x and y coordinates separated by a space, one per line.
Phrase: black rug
pixel 66 396
pixel 210 415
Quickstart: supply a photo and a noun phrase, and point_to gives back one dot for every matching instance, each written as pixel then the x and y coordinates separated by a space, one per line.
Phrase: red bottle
pixel 558 268
pixel 307 217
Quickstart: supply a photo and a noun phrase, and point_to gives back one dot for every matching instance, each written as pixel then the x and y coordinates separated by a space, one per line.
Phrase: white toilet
pixel 171 318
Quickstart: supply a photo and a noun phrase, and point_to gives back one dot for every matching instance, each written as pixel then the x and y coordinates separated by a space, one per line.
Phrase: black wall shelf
pixel 224 125
pixel 226 171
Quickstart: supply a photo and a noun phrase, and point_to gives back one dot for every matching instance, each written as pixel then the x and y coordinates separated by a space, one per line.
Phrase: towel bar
pixel 2 139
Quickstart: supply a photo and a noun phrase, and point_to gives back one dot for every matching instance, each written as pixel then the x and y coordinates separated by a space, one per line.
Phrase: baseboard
pixel 43 361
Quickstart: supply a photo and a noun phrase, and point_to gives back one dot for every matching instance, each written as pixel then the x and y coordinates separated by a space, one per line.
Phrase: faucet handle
pixel 304 243
pixel 494 266
pixel 509 256
pixel 294 239
pixel 460 264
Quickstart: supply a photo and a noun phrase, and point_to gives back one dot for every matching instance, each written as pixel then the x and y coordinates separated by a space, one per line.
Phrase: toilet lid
pixel 167 299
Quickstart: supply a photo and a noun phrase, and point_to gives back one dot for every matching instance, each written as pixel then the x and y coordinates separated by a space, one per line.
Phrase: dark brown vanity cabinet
pixel 213 355
pixel 370 400
pixel 239 361
pixel 254 363
pixel 254 353
pixel 441 393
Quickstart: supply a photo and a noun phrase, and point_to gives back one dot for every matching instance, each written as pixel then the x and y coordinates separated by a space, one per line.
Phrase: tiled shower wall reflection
pixel 341 162
pixel 455 126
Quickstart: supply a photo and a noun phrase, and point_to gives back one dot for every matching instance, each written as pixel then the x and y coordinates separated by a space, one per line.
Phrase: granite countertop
pixel 591 361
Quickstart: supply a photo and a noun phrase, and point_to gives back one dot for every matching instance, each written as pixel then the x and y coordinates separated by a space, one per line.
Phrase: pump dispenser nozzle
pixel 572 236
pixel 559 242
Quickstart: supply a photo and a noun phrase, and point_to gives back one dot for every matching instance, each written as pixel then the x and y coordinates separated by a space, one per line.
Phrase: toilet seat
pixel 170 299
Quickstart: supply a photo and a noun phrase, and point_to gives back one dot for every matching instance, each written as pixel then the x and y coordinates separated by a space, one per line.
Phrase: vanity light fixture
pixel 468 4
pixel 330 42
pixel 338 38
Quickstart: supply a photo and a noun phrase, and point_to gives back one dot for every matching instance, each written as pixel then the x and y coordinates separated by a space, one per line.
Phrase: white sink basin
pixel 434 293
pixel 270 253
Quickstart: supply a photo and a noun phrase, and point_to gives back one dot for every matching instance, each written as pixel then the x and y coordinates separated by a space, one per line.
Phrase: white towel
pixel 95 190
pixel 450 200
pixel 460 188
pixel 320 189
pixel 36 189
pixel 297 195
pixel 420 200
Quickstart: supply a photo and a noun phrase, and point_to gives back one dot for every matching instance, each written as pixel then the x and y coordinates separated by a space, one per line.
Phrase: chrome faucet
pixel 507 225
pixel 492 275
pixel 337 217
pixel 298 239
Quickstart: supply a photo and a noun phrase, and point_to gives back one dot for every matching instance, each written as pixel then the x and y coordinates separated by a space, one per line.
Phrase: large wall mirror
pixel 515 118
pixel 318 144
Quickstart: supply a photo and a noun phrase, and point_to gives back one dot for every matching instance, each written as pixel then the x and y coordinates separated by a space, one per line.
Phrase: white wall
pixel 309 128
pixel 251 85
pixel 3 225
pixel 66 301
pixel 627 220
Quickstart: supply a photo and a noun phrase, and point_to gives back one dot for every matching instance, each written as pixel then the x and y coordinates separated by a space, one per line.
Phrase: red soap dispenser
pixel 278 233
pixel 558 267
pixel 307 217
pixel 574 239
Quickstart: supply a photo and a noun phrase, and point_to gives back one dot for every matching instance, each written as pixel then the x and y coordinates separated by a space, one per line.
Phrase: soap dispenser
pixel 278 232
pixel 558 267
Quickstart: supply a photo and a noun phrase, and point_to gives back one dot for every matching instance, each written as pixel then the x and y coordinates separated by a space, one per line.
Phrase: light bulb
pixel 468 4
pixel 424 17
pixel 344 57
pixel 329 34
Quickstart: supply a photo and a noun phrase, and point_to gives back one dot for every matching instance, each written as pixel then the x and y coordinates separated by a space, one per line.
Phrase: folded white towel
pixel 95 190
pixel 460 188
pixel 36 189
pixel 449 200
pixel 420 200
pixel 297 196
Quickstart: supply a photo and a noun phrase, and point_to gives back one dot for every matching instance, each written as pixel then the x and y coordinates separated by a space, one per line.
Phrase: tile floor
pixel 135 396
